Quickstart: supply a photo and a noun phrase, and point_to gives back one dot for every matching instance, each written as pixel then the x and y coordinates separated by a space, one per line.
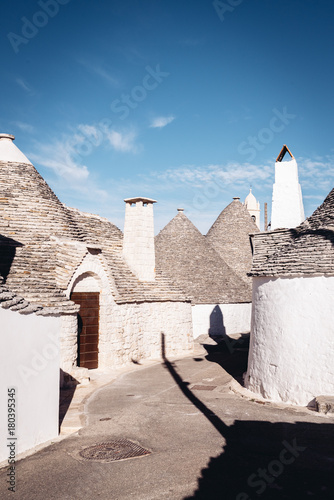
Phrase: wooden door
pixel 88 328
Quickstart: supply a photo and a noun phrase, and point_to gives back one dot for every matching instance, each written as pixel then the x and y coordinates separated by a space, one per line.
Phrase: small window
pixel 254 218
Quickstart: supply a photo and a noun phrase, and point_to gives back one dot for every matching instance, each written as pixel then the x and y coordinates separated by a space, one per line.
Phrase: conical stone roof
pixel 229 236
pixel 30 210
pixel 184 254
pixel 30 213
pixel 42 242
pixel 303 251
pixel 323 216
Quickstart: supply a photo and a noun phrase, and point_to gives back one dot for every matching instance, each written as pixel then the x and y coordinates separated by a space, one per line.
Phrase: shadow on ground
pixel 260 459
pixel 271 461
pixel 231 354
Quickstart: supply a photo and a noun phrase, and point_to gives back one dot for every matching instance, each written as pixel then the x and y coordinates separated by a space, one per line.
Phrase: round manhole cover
pixel 118 449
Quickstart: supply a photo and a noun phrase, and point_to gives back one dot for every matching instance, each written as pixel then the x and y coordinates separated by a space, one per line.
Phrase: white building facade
pixel 292 339
pixel 292 335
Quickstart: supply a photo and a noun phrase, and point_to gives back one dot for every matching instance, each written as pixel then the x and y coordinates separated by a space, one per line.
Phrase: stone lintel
pixel 94 247
pixel 140 198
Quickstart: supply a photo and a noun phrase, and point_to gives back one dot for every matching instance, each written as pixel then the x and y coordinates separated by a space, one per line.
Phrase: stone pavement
pixel 205 440
pixel 72 415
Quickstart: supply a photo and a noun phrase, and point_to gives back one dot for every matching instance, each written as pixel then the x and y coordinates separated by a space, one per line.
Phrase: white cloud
pixel 64 156
pixel 58 156
pixel 23 85
pixel 122 141
pixel 232 173
pixel 100 71
pixel 313 197
pixel 316 173
pixel 25 127
pixel 208 189
pixel 162 121
pixel 81 193
pixel 94 134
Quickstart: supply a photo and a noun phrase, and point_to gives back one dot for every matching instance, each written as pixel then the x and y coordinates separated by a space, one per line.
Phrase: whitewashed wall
pixel 29 360
pixel 126 331
pixel 221 319
pixel 134 332
pixel 68 342
pixel 287 202
pixel 292 339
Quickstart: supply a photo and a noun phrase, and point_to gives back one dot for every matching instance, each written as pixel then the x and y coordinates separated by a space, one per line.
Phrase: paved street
pixel 206 442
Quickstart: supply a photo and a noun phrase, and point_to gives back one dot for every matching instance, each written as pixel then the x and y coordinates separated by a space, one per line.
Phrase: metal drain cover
pixel 118 449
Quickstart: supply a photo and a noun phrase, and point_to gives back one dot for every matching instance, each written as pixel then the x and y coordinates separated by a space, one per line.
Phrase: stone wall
pixel 292 339
pixel 138 242
pixel 221 319
pixel 134 332
pixel 128 331
pixel 68 342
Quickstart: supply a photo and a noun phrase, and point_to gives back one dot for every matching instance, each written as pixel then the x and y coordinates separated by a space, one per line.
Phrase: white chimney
pixel 287 209
pixel 138 242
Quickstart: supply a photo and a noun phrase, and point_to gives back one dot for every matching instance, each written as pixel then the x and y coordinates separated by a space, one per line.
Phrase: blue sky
pixel 188 102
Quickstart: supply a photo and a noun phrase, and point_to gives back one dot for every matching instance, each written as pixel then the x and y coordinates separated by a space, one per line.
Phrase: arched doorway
pixel 88 320
pixel 88 328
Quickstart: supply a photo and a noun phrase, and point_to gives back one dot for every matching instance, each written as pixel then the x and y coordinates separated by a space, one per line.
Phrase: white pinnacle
pixel 9 152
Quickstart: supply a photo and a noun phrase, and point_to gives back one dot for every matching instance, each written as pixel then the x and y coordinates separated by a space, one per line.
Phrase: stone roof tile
pixel 29 208
pixel 230 237
pixel 109 239
pixel 305 250
pixel 9 300
pixel 185 255
pixel 42 242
